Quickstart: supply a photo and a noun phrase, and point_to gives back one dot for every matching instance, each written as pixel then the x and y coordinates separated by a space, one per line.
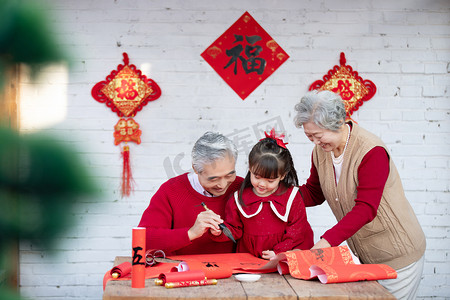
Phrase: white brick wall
pixel 402 46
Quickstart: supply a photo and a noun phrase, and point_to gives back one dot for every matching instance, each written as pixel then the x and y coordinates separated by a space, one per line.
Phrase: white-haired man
pixel 175 220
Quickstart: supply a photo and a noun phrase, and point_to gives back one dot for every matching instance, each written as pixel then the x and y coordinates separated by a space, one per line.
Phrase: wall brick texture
pixel 402 46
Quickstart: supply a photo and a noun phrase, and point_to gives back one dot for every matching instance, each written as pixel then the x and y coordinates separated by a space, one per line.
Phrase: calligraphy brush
pixel 222 226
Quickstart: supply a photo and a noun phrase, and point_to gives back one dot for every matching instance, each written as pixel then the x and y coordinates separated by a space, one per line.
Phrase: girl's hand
pixel 267 254
pixel 322 243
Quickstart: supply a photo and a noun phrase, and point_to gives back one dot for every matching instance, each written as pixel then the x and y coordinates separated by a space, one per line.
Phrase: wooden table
pixel 270 286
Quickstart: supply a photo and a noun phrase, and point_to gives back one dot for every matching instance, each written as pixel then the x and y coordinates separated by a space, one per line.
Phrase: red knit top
pixel 372 175
pixel 172 212
pixel 277 222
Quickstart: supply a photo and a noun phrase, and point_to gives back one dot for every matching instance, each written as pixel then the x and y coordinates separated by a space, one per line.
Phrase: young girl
pixel 267 216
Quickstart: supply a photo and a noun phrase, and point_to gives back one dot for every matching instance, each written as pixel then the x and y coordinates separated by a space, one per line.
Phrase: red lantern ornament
pixel 346 82
pixel 126 91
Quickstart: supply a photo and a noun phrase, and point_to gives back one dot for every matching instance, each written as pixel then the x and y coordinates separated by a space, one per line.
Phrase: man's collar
pixel 195 183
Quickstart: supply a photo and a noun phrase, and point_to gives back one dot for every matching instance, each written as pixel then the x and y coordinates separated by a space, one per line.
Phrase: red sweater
pixel 372 175
pixel 262 229
pixel 173 210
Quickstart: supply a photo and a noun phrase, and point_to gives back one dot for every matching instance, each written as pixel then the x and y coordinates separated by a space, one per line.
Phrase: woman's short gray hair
pixel 324 108
pixel 210 147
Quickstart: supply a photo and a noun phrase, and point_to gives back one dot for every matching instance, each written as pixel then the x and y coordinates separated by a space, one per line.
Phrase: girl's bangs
pixel 266 168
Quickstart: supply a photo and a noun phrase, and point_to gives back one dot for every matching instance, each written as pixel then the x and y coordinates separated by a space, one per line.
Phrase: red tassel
pixel 127 177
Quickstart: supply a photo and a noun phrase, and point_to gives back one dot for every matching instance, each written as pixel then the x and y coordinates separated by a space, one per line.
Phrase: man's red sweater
pixel 172 212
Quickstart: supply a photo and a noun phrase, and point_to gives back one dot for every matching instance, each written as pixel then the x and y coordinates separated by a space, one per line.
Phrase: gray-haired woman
pixel 176 221
pixel 353 171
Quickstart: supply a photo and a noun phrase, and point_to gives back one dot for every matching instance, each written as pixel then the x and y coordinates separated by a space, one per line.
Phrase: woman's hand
pixel 322 243
pixel 205 220
pixel 267 254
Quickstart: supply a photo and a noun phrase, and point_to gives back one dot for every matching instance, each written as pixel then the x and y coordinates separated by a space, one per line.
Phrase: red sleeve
pixel 372 175
pixel 232 219
pixel 158 219
pixel 311 191
pixel 299 234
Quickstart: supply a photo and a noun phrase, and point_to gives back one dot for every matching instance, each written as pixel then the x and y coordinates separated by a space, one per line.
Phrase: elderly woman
pixel 176 221
pixel 353 171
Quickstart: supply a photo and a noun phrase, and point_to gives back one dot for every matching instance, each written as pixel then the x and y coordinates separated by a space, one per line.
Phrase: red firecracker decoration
pixel 126 91
pixel 343 80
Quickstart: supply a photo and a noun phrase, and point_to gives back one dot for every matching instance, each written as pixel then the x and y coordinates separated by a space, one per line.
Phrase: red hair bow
pixel 278 138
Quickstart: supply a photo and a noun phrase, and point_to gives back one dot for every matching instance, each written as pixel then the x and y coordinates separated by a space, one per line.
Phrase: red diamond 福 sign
pixel 245 55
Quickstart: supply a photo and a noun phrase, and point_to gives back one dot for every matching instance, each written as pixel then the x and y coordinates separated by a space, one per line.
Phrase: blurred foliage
pixel 25 36
pixel 40 181
pixel 40 177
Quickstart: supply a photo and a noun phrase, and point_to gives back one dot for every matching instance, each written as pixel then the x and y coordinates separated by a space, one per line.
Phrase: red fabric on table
pixel 350 273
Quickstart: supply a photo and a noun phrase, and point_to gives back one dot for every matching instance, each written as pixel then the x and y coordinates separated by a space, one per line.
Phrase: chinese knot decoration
pixel 245 55
pixel 126 91
pixel 347 83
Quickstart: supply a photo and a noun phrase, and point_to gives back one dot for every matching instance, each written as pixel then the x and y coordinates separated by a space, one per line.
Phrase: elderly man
pixel 175 220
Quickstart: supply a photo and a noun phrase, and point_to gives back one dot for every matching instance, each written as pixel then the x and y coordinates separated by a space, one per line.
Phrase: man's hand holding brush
pixel 206 220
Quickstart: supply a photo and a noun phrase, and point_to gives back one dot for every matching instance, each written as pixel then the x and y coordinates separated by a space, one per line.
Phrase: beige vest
pixel 395 236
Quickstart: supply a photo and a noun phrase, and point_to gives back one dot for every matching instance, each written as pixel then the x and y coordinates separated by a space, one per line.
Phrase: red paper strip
pixel 297 262
pixel 122 270
pixel 181 276
pixel 351 273
pixel 223 265
pixel 170 285
pixel 216 270
pixel 300 261
pixel 330 265
pixel 138 258
pixel 150 272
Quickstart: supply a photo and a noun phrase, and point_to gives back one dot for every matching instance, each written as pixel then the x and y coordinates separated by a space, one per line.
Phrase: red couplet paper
pixel 150 272
pixel 329 265
pixel 300 261
pixel 350 273
pixel 177 284
pixel 196 275
pixel 122 270
pixel 297 262
pixel 138 258
pixel 222 265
